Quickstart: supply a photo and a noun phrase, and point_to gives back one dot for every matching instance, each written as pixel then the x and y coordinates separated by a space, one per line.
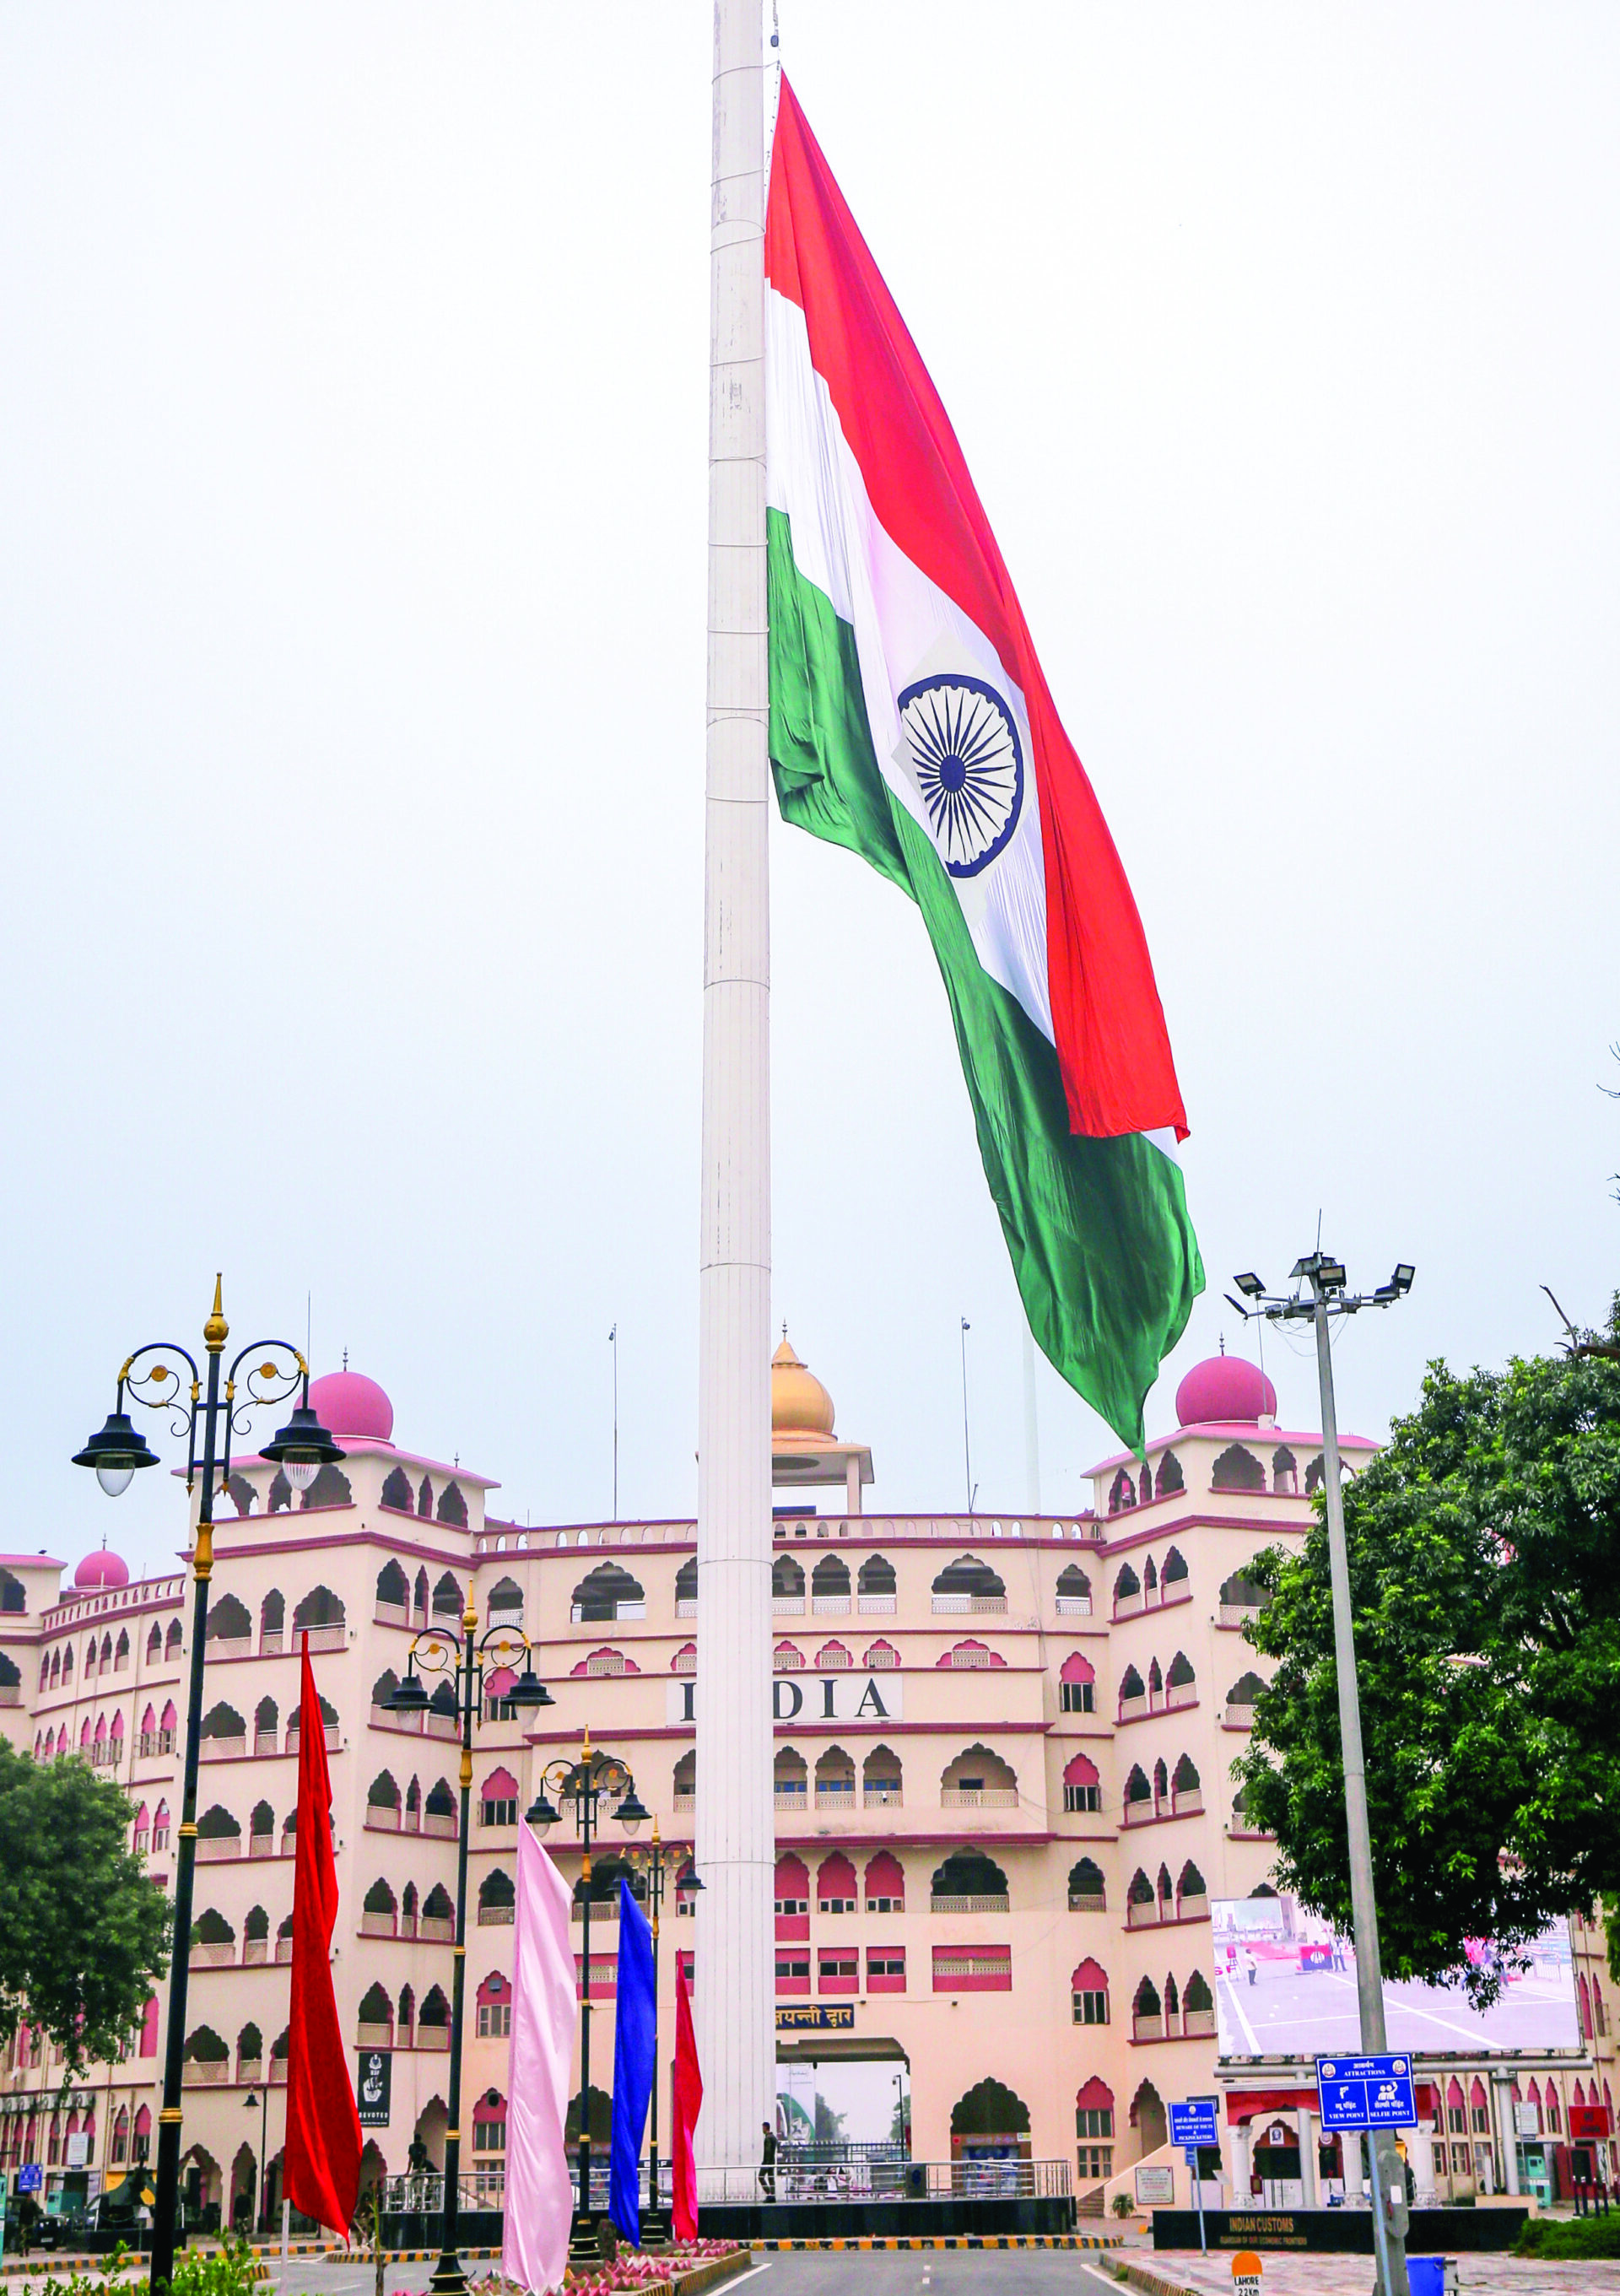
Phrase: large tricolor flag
pixel 910 721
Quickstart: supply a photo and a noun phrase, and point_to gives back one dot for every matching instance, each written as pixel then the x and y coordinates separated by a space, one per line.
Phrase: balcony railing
pixel 1074 1606
pixel 437 1928
pixel 686 1804
pixel 835 1794
pixel 497 1916
pixel 1138 1810
pixel 790 1799
pixel 1087 1902
pixel 840 2174
pixel 230 1647
pixel 441 1822
pixel 829 1606
pixel 211 1848
pixel 374 2035
pixel 965 1605
pixel 220 1954
pixel 263 1742
pixel 1239 1715
pixel 686 1606
pixel 1131 1708
pixel 1238 1614
pixel 978 1798
pixel 205 2072
pixel 1147 2029
pixel 876 1606
pixel 876 1796
pixel 222 1749
pixel 433 2036
pixel 255 1951
pixel 379 1925
pixel 979 1905
pixel 788 1606
pixel 1186 1801
pixel 323 1638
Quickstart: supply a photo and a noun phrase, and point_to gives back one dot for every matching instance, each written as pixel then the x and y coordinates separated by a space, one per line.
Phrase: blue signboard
pixel 1194 2123
pixel 1366 2093
pixel 30 2176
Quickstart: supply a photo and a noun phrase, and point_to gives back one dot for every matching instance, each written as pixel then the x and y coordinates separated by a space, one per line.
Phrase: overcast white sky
pixel 352 438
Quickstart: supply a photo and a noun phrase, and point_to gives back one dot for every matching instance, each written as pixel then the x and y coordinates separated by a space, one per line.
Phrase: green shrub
pixel 1555 2237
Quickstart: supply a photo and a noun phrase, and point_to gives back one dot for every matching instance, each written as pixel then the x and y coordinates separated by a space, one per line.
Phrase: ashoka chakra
pixel 969 766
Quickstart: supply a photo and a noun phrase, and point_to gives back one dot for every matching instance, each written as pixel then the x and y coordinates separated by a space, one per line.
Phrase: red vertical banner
pixel 688 2103
pixel 323 2155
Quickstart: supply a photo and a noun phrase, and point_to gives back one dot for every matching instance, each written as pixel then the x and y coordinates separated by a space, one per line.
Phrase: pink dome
pixel 1225 1388
pixel 349 1404
pixel 102 1569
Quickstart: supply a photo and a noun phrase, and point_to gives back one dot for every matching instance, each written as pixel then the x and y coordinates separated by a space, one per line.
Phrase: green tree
pixel 1485 1568
pixel 82 1931
pixel 829 2125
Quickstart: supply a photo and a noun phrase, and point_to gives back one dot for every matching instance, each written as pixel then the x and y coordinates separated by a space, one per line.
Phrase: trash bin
pixel 1426 2274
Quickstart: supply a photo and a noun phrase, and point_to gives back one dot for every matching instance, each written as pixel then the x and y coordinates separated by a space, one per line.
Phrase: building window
pixel 1455 2119
pixel 1094 2162
pixel 886 1968
pixel 495 2020
pixel 500 1710
pixel 1078 1697
pixel 489 2137
pixel 1083 1797
pixel 500 1813
pixel 1090 2008
pixel 795 1905
pixel 838 1905
pixel 839 1973
pixel 792 1973
pixel 1482 2121
pixel 973 1969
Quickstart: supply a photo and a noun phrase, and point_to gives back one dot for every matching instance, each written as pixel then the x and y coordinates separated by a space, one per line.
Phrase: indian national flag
pixel 910 721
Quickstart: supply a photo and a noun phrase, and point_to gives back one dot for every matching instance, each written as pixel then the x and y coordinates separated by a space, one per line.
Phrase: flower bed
pixel 684 2271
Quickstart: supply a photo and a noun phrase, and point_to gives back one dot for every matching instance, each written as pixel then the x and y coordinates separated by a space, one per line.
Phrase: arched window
pixel 991 2110
pixel 435 2010
pixel 1285 1472
pixel 686 1781
pixel 419 1596
pixel 1081 1784
pixel 1132 1692
pixel 881 1656
pixel 1161 1784
pixel 1074 1592
pixel 281 1493
pixel 379 1912
pixel 396 1495
pixel 120 1656
pixel 1095 2121
pixel 1089 1993
pixel 978 1779
pixel 792 1780
pixel 220 1831
pixel 1145 1493
pixel 875 1585
pixel 425 1499
pixel 1122 1494
pixel 1191 1896
pixel 172 1642
pixel 228 1622
pixel 968 1883
pixel 971 1653
pixel 447 1599
pixel 322 1616
pixel 1185 1786
pixel 1180 1681
pixel 1237 1470
pixel 792 1895
pixel 835 1885
pixel 1087 1892
pixel 330 1487
pixel 829 1585
pixel 885 1884
pixel 1314 1473
pixel 498 1900
pixel 437 1919
pixel 1240 1700
pixel 686 1587
pixel 1127 1591
pixel 968 1584
pixel 393 1588
pixel 451 1506
pixel 261 1830
pixel 1147 2013
pixel 833 1657
pixel 607 1592
pixel 835 1780
pixel 382 1800
pixel 1138 1796
pixel 787 1584
pixel 439 1810
pixel 272 1623
pixel 1174 1574
pixel 685 1659
pixel 376 2017
pixel 498 1802
pixel 881 1779
pixel 1156 1683
pixel 1238 1596
pixel 1150 1580
pixel 1198 2007
pixel 505 1602
pixel 154 1644
pixel 1169 1476
pixel 224 1723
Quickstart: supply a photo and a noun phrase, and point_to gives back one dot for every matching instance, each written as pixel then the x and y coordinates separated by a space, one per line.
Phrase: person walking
pixel 767 2161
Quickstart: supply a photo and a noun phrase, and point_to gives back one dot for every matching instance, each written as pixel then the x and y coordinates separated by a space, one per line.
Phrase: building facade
pixel 1002 1793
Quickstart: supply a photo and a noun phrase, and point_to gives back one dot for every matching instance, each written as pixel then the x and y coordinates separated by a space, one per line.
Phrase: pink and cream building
pixel 1003 1805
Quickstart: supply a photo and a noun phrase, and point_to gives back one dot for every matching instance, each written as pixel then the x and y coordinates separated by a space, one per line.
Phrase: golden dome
pixel 800 1406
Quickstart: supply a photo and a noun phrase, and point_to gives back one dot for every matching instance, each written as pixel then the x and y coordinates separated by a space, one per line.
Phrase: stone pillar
pixel 1506 2134
pixel 1308 2156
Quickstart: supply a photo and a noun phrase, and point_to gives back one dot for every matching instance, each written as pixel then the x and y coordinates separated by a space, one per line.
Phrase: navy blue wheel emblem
pixel 968 763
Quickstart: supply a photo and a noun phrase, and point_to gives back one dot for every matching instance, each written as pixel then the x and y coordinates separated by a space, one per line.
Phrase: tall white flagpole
pixel 735 1999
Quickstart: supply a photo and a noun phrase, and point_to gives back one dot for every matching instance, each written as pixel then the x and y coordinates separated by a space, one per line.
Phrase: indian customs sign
pixel 808 1698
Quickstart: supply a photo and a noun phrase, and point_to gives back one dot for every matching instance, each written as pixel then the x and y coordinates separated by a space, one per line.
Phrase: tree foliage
pixel 82 1931
pixel 1485 1567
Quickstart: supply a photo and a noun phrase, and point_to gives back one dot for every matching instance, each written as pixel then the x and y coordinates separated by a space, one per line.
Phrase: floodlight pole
pixel 1329 1298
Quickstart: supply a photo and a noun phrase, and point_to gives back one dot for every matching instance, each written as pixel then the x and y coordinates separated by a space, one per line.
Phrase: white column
pixel 735 1999
pixel 1506 2134
pixel 1307 2158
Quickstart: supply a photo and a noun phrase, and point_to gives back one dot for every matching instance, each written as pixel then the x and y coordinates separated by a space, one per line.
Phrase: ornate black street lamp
pixel 651 1860
pixel 592 1778
pixel 301 1448
pixel 463 1659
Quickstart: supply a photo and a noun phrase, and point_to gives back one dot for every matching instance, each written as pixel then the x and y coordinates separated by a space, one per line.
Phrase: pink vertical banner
pixel 539 2197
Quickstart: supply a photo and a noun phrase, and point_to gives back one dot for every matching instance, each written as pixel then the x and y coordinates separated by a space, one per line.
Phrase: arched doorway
pixel 989 2122
pixel 1275 2161
pixel 1148 2119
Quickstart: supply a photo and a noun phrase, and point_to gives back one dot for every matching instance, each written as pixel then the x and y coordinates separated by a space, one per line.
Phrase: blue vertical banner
pixel 634 2063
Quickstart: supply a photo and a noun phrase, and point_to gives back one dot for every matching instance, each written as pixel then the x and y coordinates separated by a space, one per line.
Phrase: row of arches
pixel 106 1656
pixel 1236 1469
pixel 974 1779
pixel 1157 1480
pixel 1162 1692
pixel 1165 1582
pixel 402 1602
pixel 1168 1792
pixel 319 1614
pixel 1186 1899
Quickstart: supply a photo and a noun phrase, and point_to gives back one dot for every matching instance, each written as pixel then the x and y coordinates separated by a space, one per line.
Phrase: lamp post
pixel 584 1783
pixel 464 1659
pixel 301 1448
pixel 1327 1298
pixel 261 2219
pixel 653 1862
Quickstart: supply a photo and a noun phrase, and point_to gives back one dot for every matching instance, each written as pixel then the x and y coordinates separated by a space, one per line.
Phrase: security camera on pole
pixel 1325 1299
